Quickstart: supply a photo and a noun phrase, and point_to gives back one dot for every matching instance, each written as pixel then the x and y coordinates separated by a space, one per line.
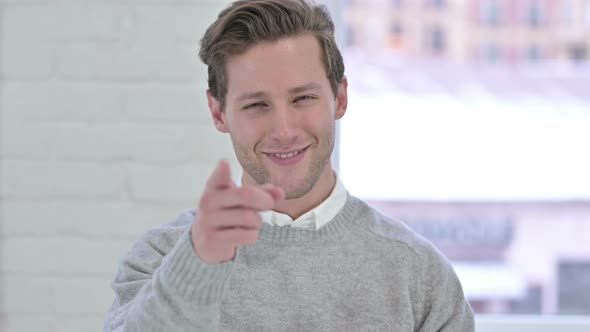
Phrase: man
pixel 289 249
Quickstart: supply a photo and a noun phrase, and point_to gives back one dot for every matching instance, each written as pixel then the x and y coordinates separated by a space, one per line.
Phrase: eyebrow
pixel 295 90
pixel 251 95
pixel 305 87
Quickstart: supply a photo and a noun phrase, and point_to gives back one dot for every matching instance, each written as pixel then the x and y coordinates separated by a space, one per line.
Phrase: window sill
pixel 530 323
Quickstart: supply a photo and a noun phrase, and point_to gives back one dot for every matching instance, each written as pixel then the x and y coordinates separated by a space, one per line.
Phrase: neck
pixel 321 190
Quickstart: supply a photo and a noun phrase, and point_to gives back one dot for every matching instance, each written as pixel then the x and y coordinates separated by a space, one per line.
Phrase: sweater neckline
pixel 342 223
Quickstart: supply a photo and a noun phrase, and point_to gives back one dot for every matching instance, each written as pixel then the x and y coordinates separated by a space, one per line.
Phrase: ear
pixel 217 113
pixel 342 98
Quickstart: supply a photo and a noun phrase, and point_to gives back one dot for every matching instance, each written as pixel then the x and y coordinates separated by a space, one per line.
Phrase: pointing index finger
pixel 221 177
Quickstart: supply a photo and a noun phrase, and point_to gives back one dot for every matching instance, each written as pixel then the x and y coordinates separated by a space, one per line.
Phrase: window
pixel 533 54
pixel 462 154
pixel 568 13
pixel 574 283
pixel 491 53
pixel 435 40
pixel 349 36
pixel 397 3
pixel 533 13
pixel 435 3
pixel 396 29
pixel 490 12
pixel 397 35
pixel 578 53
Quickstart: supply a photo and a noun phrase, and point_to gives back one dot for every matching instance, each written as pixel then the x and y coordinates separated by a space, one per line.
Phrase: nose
pixel 284 125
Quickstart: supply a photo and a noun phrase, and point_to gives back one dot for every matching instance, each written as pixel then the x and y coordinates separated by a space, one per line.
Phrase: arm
pixel 158 290
pixel 447 310
pixel 173 278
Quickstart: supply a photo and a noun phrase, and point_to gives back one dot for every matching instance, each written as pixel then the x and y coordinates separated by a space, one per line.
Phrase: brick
pixel 97 298
pixel 84 218
pixel 62 255
pixel 46 295
pixel 94 102
pixel 169 62
pixel 29 322
pixel 165 103
pixel 149 143
pixel 69 141
pixel 61 102
pixel 9 3
pixel 18 292
pixel 173 144
pixel 181 184
pixel 185 23
pixel 207 6
pixel 83 322
pixel 214 146
pixel 92 142
pixel 21 61
pixel 54 179
pixel 53 322
pixel 84 180
pixel 54 22
pixel 24 141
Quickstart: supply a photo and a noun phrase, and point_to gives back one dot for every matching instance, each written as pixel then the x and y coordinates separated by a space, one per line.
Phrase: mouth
pixel 286 158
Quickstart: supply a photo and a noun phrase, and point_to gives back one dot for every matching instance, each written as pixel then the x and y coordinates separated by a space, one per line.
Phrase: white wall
pixel 104 133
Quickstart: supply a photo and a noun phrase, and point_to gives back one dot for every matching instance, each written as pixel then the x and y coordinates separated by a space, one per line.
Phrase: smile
pixel 286 155
pixel 286 158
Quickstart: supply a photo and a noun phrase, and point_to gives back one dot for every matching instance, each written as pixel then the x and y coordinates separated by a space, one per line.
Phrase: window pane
pixel 471 123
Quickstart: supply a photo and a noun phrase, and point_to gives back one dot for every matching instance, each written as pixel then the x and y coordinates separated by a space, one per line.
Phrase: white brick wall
pixel 104 133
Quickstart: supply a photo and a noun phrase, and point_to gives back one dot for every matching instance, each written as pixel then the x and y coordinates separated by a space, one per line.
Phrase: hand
pixel 228 216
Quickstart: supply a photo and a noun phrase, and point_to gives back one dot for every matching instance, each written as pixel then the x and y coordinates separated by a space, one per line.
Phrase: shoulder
pixel 165 236
pixel 435 285
pixel 171 231
pixel 392 230
pixel 147 252
pixel 397 236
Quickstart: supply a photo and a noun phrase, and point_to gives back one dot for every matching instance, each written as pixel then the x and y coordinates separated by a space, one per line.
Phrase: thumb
pixel 221 177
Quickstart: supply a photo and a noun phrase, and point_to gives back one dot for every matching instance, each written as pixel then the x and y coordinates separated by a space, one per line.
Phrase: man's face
pixel 280 112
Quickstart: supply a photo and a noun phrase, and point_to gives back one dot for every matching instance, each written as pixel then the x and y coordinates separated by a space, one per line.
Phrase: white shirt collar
pixel 315 218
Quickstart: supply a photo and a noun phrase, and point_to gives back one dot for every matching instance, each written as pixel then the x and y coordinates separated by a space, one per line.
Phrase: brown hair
pixel 244 23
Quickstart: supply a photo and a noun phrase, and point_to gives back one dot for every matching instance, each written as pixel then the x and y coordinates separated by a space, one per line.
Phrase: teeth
pixel 286 155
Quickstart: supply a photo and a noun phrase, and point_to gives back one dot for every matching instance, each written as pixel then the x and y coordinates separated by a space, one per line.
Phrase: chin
pixel 295 189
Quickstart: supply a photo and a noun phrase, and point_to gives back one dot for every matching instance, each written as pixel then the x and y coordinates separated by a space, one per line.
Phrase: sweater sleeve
pixel 447 309
pixel 162 285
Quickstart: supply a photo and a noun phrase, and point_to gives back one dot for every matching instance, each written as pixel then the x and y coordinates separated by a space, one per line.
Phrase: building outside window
pixel 462 152
pixel 435 40
pixel 435 3
pixel 533 54
pixel 397 35
pixel 574 283
pixel 397 3
pixel 533 13
pixel 490 12
pixel 490 53
pixel 568 13
pixel 578 53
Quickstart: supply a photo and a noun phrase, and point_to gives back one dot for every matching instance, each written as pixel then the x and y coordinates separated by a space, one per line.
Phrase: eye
pixel 305 99
pixel 254 105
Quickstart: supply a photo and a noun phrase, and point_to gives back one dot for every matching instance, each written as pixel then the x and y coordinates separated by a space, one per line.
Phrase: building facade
pixel 487 31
